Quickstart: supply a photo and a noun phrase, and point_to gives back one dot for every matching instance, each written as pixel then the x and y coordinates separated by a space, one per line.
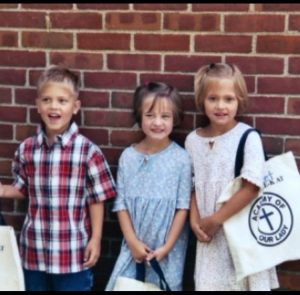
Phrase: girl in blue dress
pixel 154 187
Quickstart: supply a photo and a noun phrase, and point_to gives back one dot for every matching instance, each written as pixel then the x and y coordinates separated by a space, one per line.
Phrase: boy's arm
pixel 92 251
pixel 9 191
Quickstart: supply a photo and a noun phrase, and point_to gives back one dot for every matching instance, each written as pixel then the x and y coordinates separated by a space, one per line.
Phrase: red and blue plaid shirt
pixel 61 181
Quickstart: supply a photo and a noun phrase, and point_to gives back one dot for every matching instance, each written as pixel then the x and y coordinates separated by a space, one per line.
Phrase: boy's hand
pixel 91 253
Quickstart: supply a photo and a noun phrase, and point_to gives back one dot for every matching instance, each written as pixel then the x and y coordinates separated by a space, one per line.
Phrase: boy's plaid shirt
pixel 60 183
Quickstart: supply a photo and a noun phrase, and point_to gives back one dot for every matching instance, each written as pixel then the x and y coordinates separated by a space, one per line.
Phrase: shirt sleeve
pixel 185 185
pixel 119 203
pixel 254 159
pixel 100 183
pixel 19 172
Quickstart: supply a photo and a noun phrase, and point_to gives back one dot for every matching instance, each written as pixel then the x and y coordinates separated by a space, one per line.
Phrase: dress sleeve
pixel 100 183
pixel 185 184
pixel 119 203
pixel 19 172
pixel 253 168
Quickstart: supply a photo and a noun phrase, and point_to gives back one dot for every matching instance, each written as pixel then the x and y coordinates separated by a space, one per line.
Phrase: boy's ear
pixel 77 106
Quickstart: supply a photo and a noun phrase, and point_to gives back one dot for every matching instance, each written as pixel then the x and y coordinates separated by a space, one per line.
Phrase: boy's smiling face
pixel 57 103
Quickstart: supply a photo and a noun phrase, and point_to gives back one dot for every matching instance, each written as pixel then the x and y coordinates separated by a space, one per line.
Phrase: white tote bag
pixel 267 231
pixel 11 273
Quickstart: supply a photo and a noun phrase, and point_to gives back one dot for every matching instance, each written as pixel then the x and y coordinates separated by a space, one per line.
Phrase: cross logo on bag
pixel 270 219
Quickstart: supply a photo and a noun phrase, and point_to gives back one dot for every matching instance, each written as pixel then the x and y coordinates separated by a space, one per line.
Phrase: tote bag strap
pixel 140 273
pixel 239 160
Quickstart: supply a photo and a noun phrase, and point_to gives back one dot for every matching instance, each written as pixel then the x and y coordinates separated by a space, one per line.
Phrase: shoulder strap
pixel 239 160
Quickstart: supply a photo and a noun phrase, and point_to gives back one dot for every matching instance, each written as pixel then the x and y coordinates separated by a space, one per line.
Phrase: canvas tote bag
pixel 139 284
pixel 267 231
pixel 11 272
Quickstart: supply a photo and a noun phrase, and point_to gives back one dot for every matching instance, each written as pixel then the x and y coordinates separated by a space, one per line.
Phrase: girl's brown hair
pixel 220 71
pixel 159 90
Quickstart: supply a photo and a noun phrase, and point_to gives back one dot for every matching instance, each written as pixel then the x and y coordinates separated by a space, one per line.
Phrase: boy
pixel 66 179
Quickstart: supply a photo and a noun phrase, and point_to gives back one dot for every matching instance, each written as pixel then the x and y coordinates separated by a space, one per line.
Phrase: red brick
pixel 96 135
pixel 5 167
pixel 13 19
pixel 294 23
pixel 12 77
pixel 25 96
pixel 294 65
pixel 8 39
pixel 47 40
pixel 254 23
pixel 5 94
pixel 7 150
pixel 104 6
pixel 25 131
pixel 181 82
pixel 250 82
pixel 108 119
pixel 112 155
pixel 278 7
pixel 192 22
pixel 8 6
pixel 188 102
pixel 110 80
pixel 221 43
pixel 294 106
pixel 22 58
pixel 69 20
pixel 220 7
pixel 278 44
pixel 125 138
pixel 14 114
pixel 293 145
pixel 273 145
pixel 133 62
pixel 284 126
pixel 266 105
pixel 258 65
pixel 133 21
pixel 121 100
pixel 6 132
pixel 160 6
pixel 6 205
pixel 188 63
pixel 290 266
pixel 278 85
pixel 48 6
pixel 103 41
pixel 94 99
pixel 77 60
pixel 160 42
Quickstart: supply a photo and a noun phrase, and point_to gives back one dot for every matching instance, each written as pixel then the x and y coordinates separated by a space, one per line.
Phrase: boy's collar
pixel 64 139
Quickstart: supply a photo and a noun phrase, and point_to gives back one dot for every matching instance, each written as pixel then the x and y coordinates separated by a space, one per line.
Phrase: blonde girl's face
pixel 221 103
pixel 157 122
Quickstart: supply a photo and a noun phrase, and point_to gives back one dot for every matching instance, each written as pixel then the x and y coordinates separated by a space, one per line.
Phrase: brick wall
pixel 115 47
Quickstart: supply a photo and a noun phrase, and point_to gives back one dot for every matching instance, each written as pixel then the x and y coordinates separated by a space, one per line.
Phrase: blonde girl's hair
pixel 59 74
pixel 220 71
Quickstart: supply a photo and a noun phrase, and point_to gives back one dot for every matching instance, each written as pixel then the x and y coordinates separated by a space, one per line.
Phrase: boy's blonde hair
pixel 59 74
pixel 220 71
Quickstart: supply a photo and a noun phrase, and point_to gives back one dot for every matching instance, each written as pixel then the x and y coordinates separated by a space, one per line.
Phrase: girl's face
pixel 157 123
pixel 221 103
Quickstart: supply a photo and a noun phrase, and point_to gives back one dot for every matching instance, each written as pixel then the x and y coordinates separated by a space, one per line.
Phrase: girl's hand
pixel 91 253
pixel 159 254
pixel 200 233
pixel 139 251
pixel 210 225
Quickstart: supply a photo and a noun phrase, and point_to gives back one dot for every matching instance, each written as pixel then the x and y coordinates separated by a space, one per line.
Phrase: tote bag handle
pixel 239 160
pixel 140 273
